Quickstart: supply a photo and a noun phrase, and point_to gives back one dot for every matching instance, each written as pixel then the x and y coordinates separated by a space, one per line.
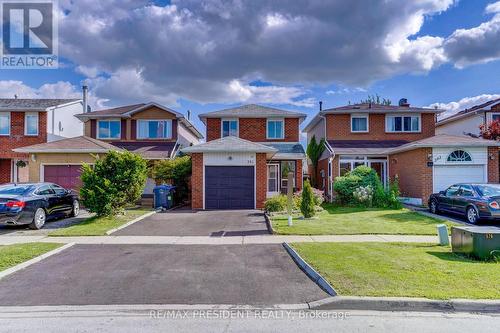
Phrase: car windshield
pixel 14 189
pixel 488 190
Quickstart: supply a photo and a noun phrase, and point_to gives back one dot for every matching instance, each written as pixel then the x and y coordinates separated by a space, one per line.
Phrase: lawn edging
pixel 310 272
pixel 269 224
pixel 405 304
pixel 123 226
pixel 30 262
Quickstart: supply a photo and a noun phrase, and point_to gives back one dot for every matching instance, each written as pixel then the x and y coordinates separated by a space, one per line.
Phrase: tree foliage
pixel 307 206
pixel 314 152
pixel 490 131
pixel 174 171
pixel 114 182
pixel 376 99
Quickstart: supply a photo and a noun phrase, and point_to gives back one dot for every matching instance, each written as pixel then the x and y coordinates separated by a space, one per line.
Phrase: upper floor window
pixel 5 123
pixel 275 129
pixel 495 116
pixel 359 123
pixel 31 123
pixel 109 129
pixel 403 123
pixel 154 129
pixel 229 127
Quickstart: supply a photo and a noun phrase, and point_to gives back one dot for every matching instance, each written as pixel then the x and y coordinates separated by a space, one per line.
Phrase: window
pixel 4 123
pixel 31 123
pixel 45 190
pixel 452 191
pixel 58 189
pixel 109 129
pixel 286 167
pixel 345 167
pixel 495 116
pixel 229 128
pixel 359 123
pixel 459 156
pixel 272 178
pixel 275 129
pixel 154 129
pixel 466 191
pixel 403 124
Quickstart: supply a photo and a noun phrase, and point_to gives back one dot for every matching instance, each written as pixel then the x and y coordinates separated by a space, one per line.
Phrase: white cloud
pixel 464 103
pixel 493 7
pixel 343 91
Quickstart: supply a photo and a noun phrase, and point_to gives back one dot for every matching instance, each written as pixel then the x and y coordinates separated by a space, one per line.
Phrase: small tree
pixel 490 131
pixel 175 171
pixel 375 99
pixel 307 206
pixel 113 182
pixel 314 152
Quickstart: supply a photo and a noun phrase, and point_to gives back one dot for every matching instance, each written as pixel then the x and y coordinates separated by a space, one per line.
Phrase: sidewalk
pixel 205 240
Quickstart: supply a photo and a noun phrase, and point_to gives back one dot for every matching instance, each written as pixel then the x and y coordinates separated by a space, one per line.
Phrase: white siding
pixel 318 131
pixel 185 136
pixel 463 126
pixel 62 123
pixel 228 159
pixel 479 155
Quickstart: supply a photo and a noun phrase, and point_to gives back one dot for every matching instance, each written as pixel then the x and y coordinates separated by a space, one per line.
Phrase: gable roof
pixel 469 112
pixel 252 111
pixel 229 144
pixel 32 104
pixel 80 144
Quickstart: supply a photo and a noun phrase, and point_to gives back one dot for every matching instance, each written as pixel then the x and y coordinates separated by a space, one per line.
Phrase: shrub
pixel 307 206
pixel 319 197
pixel 174 171
pixel 364 195
pixel 276 203
pixel 392 195
pixel 345 186
pixel 113 182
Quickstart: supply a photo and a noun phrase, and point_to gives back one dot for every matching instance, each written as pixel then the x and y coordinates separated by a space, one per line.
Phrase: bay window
pixel 4 123
pixel 109 129
pixel 154 129
pixel 31 123
pixel 275 129
pixel 403 123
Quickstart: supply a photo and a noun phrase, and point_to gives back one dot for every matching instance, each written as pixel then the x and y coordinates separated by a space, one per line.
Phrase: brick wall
pixel 17 138
pixel 197 181
pixel 415 177
pixel 254 129
pixel 5 166
pixel 339 128
pixel 322 165
pixel 261 179
pixel 298 173
pixel 493 165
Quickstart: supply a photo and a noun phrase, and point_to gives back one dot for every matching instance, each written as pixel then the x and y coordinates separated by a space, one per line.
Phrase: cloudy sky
pixel 204 55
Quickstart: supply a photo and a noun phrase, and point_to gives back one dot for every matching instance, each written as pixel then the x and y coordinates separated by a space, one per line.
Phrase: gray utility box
pixel 480 242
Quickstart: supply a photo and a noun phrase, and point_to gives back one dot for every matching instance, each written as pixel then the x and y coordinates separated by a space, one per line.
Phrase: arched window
pixel 459 156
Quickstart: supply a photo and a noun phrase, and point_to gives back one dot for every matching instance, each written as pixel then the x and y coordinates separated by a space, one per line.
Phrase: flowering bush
pixel 319 197
pixel 364 195
pixel 490 131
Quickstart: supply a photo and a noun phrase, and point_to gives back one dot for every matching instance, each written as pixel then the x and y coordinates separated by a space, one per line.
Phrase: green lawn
pixel 412 270
pixel 11 255
pixel 336 220
pixel 97 226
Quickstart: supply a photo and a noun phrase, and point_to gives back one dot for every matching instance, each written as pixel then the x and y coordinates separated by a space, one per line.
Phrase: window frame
pixel 388 117
pixel 282 120
pixel 26 116
pixel 109 120
pixel 229 120
pixel 150 120
pixel 462 161
pixel 10 122
pixel 493 114
pixel 360 116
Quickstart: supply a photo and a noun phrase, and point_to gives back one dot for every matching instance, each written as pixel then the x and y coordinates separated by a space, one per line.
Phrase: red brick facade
pixel 339 128
pixel 493 165
pixel 298 175
pixel 197 181
pixel 261 180
pixel 17 139
pixel 5 170
pixel 254 129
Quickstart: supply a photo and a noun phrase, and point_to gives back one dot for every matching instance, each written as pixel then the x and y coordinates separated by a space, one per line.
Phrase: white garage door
pixel 446 175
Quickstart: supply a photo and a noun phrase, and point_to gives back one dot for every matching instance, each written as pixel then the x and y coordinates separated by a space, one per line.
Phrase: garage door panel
pixel 447 175
pixel 229 187
pixel 67 176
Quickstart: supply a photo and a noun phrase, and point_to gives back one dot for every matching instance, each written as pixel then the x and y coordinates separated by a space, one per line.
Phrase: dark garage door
pixel 67 176
pixel 229 187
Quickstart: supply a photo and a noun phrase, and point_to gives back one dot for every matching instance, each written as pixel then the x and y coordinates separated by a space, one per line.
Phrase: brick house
pixel 150 130
pixel 249 151
pixel 25 122
pixel 399 141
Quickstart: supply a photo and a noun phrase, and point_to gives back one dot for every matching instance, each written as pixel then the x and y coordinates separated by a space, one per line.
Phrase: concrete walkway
pixel 207 240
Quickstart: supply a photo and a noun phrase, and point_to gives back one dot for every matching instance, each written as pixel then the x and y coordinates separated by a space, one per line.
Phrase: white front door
pixel 272 179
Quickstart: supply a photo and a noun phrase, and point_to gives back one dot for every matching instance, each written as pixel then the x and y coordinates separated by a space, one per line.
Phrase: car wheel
pixel 433 207
pixel 38 219
pixel 76 208
pixel 472 215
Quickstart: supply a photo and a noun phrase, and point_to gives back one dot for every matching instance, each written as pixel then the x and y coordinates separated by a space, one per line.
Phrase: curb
pixel 269 224
pixel 109 232
pixel 405 304
pixel 313 275
pixel 30 262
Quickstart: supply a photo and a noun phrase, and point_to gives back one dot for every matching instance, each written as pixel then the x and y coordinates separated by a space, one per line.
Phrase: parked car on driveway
pixel 474 201
pixel 31 204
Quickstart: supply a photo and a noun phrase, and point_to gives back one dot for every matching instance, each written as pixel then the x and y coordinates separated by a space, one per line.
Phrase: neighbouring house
pixel 25 122
pixel 150 130
pixel 468 121
pixel 399 141
pixel 248 154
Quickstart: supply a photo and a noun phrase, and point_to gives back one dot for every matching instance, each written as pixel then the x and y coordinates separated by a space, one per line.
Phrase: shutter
pixel 174 129
pixel 133 130
pixel 123 129
pixel 93 128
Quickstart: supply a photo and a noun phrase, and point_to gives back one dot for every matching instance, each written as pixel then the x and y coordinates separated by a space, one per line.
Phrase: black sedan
pixel 32 204
pixel 474 201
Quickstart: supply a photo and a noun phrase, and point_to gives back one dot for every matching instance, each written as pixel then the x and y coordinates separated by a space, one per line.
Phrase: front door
pixel 272 179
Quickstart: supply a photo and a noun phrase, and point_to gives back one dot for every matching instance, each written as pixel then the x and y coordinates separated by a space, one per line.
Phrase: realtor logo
pixel 29 34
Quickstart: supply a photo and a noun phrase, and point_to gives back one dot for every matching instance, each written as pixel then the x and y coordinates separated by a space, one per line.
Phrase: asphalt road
pixel 199 223
pixel 162 274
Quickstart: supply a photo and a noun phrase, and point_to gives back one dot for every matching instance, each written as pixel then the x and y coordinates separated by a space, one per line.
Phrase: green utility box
pixel 480 242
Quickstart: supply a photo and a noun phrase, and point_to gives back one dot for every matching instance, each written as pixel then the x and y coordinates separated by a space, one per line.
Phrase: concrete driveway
pixel 199 223
pixel 162 274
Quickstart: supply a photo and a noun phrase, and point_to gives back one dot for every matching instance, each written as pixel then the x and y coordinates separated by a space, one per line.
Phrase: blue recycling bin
pixel 163 196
